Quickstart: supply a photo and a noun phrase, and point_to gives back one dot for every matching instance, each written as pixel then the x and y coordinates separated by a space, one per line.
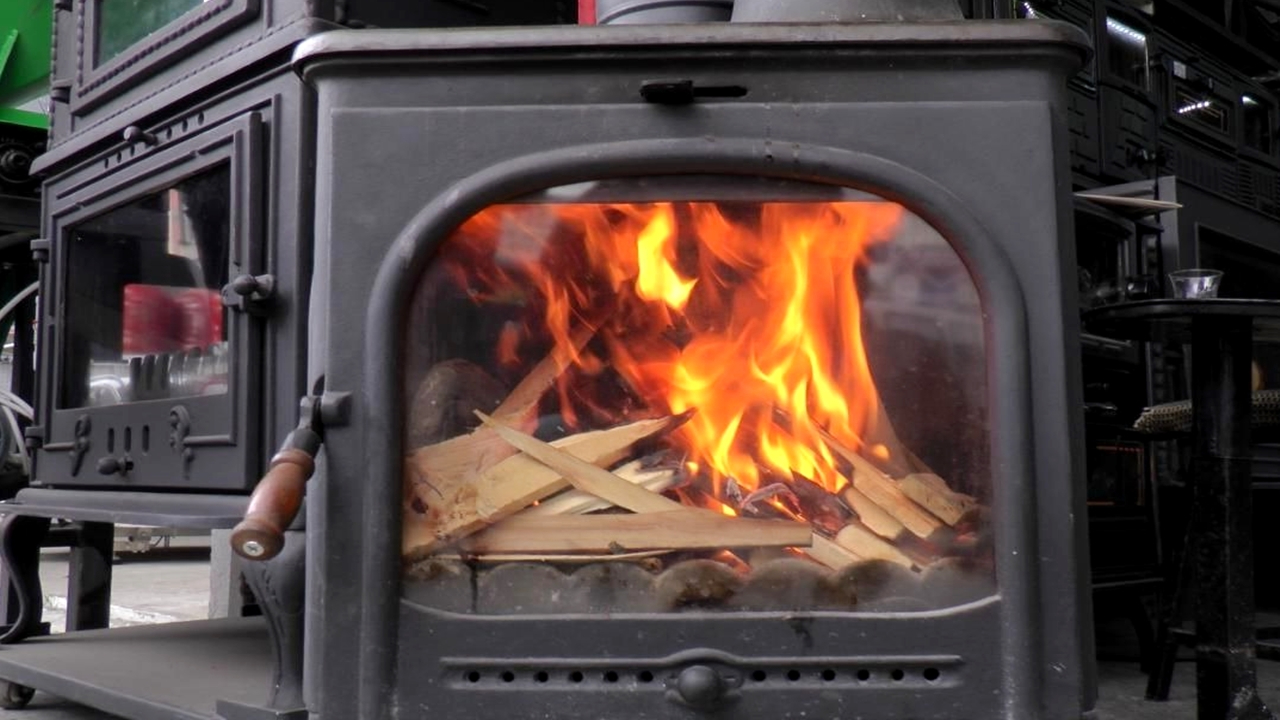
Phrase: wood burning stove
pixel 687 371
pixel 657 372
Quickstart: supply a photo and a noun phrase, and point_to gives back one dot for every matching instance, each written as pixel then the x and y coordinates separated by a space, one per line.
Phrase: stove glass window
pixel 144 317
pixel 1127 55
pixel 121 23
pixel 768 396
pixel 1259 116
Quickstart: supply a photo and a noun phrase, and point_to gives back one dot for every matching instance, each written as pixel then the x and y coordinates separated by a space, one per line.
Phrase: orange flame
pixel 741 311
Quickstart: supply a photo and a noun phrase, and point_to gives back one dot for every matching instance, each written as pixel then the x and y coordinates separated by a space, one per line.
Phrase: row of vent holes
pixel 864 675
pixel 128 439
pixel 644 676
pixel 168 135
pixel 576 676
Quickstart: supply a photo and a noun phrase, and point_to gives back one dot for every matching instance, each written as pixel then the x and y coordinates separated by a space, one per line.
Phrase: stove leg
pixel 21 537
pixel 89 577
pixel 279 584
pixel 1226 675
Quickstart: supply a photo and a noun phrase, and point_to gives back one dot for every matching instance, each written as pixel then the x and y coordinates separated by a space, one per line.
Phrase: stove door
pixel 150 355
pixel 677 394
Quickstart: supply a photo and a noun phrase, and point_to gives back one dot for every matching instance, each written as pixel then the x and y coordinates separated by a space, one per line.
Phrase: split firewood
pixel 867 545
pixel 830 553
pixel 640 556
pixel 523 400
pixel 873 516
pixel 581 474
pixel 577 502
pixel 885 492
pixel 681 529
pixel 933 493
pixel 460 506
pixel 875 496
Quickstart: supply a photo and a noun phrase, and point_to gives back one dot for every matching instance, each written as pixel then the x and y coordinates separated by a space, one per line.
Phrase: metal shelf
pixel 175 671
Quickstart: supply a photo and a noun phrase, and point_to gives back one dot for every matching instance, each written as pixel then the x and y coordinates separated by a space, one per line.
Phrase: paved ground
pixel 162 586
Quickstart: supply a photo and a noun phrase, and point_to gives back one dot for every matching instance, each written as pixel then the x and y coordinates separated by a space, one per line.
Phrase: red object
pixel 152 320
pixel 586 12
pixel 201 318
pixel 159 319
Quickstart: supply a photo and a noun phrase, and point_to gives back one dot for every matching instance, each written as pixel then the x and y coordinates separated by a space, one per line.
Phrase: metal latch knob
pixel 700 686
pixel 115 465
pixel 249 293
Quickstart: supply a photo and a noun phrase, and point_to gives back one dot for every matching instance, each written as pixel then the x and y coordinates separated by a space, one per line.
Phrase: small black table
pixel 1221 333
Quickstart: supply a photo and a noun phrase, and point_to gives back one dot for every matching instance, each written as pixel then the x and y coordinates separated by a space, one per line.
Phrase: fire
pixel 747 313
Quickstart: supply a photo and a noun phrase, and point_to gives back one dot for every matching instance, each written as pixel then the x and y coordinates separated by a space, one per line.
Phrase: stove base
pixel 175 671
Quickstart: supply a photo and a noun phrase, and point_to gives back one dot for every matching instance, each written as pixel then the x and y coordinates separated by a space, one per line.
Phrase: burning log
pixel 681 529
pixel 456 506
pixel 442 405
pixel 458 459
pixel 822 509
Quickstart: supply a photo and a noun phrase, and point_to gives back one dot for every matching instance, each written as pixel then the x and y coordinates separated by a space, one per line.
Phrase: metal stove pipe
pixel 845 11
pixel 656 12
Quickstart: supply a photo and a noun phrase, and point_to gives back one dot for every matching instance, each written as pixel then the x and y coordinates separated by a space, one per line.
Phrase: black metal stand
pixel 1221 333
pixel 1226 676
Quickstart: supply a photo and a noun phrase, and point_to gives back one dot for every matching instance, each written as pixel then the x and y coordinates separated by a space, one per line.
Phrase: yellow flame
pixel 657 279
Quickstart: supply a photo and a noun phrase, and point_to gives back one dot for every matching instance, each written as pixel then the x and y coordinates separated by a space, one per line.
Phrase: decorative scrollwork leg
pixel 21 537
pixel 279 586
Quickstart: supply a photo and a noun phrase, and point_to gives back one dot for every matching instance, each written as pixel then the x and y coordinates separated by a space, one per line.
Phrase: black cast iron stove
pixel 695 371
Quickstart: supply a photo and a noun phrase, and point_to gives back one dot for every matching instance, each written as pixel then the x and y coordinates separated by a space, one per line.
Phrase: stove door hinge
pixel 335 409
pixel 278 496
pixel 34 437
pixel 40 250
pixel 250 294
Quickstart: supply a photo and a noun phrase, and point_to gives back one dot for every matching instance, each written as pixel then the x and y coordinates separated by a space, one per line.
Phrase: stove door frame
pixel 220 449
pixel 1016 606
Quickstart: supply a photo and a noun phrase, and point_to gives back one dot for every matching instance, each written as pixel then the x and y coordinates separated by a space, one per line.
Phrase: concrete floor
pixel 168 585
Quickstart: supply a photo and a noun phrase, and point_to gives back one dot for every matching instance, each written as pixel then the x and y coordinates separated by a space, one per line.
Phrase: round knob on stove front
pixel 700 685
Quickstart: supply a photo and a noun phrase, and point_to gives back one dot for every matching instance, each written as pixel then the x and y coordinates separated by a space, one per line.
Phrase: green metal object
pixel 26 29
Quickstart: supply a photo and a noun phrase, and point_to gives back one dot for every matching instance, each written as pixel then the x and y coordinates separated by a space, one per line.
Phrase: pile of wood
pixel 497 493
